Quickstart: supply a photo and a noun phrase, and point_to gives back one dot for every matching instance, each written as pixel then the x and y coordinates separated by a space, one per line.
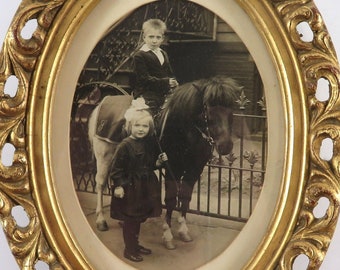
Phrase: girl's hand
pixel 163 157
pixel 119 192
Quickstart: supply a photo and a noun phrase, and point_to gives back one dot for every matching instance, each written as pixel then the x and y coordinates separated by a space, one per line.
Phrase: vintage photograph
pixel 136 135
pixel 168 136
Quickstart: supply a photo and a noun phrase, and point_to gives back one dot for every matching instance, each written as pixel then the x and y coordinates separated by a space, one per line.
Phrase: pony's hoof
pixel 169 244
pixel 102 226
pixel 185 237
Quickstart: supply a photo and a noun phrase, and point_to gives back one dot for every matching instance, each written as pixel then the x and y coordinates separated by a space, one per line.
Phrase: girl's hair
pixel 133 115
pixel 155 24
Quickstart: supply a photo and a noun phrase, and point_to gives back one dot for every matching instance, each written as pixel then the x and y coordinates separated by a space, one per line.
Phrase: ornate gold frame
pixel 24 122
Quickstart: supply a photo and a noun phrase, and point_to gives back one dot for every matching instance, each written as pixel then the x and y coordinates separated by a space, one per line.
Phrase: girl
pixel 137 193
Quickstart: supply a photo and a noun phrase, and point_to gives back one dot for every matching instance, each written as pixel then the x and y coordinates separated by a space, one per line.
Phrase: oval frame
pixel 25 122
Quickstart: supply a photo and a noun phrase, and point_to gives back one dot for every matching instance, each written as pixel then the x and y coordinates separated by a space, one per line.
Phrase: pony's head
pixel 220 94
pixel 208 105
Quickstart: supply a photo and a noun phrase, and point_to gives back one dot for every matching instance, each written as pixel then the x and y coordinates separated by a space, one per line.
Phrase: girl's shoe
pixel 133 256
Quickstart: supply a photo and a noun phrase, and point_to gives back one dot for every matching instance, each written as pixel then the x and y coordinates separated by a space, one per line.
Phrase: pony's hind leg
pixel 104 153
pixel 100 220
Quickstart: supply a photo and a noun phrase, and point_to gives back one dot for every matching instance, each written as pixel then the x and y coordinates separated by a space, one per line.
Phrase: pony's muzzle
pixel 224 148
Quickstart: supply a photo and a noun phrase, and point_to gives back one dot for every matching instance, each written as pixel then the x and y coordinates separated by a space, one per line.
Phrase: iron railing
pixel 229 185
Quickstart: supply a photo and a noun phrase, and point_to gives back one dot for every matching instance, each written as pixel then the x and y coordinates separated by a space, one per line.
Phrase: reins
pixel 206 136
pixel 158 140
pixel 163 125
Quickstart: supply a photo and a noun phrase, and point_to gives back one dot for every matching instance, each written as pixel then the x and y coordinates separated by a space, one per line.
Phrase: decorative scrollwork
pixel 18 58
pixel 317 58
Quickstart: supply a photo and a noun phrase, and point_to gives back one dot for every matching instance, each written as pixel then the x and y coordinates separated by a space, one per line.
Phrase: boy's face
pixel 153 38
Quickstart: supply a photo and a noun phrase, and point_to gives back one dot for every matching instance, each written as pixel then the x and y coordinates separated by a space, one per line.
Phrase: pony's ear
pixel 196 86
pixel 200 88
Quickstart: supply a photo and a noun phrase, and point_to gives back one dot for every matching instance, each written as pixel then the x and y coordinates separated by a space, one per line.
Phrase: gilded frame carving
pixel 24 122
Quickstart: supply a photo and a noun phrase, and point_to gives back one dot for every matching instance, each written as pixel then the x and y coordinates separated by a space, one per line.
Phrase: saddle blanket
pixel 110 118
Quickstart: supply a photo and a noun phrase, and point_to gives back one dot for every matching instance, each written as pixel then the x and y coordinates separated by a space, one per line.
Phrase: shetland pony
pixel 196 118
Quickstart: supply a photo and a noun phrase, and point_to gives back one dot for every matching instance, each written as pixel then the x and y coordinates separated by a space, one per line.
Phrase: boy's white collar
pixel 145 48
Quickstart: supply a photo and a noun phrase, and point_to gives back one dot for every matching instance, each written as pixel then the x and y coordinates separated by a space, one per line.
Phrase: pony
pixel 196 119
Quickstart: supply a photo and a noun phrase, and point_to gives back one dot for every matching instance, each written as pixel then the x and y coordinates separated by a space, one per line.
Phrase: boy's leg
pixel 155 104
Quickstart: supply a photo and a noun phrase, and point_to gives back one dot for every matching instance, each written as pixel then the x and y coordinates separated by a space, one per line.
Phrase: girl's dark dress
pixel 133 169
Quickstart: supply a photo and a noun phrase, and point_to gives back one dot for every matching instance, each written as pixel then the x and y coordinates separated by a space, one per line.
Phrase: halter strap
pixel 207 136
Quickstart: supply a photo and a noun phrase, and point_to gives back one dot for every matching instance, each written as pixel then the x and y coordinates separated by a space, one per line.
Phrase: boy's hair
pixel 133 115
pixel 154 23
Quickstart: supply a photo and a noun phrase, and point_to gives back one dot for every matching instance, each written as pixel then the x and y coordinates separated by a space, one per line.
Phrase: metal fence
pixel 229 185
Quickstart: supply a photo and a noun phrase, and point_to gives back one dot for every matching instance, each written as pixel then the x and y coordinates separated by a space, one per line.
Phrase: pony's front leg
pixel 185 194
pixel 183 230
pixel 168 237
pixel 170 202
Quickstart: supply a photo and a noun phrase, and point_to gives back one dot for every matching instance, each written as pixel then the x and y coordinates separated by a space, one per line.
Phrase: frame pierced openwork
pixel 26 182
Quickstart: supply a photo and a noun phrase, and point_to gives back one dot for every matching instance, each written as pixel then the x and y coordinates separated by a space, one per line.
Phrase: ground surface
pixel 211 236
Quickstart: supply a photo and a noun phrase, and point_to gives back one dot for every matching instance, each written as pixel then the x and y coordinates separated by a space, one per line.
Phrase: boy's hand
pixel 119 192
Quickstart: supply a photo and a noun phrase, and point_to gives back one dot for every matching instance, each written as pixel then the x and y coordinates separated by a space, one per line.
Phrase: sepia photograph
pixel 203 102
pixel 168 134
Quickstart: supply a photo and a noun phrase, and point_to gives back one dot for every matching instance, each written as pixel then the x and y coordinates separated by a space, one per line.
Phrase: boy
pixel 153 73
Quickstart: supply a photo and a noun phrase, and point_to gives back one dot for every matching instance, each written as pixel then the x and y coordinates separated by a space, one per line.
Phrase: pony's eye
pixel 213 122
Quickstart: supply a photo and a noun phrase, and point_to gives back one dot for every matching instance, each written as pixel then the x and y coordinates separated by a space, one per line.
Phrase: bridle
pixel 206 135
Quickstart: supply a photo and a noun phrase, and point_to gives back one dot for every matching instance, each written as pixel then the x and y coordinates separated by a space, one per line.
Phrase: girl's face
pixel 153 38
pixel 140 128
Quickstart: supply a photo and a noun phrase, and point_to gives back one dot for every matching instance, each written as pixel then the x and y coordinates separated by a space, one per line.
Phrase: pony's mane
pixel 221 91
pixel 188 99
